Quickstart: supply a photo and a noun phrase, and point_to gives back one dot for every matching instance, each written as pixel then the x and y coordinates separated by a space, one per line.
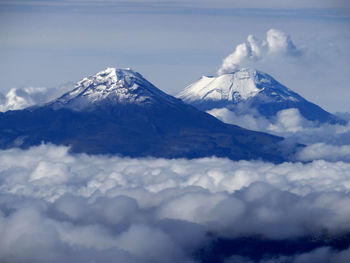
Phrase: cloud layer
pixel 327 141
pixel 79 208
pixel 276 43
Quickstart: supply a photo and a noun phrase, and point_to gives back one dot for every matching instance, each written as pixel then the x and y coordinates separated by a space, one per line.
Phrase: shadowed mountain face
pixel 117 111
pixel 251 91
pixel 257 248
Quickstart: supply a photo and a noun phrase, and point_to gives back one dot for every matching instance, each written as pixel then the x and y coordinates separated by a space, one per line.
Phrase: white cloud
pixel 289 123
pixel 20 98
pixel 150 244
pixel 324 142
pixel 325 152
pixel 276 44
pixel 251 121
pixel 80 208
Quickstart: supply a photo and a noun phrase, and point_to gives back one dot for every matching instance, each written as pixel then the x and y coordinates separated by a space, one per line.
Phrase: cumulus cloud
pixel 277 43
pixel 20 98
pixel 80 208
pixel 325 152
pixel 326 141
pixel 290 120
pixel 286 122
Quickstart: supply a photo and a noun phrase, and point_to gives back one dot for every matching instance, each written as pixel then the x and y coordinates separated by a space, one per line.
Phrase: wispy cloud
pixel 223 7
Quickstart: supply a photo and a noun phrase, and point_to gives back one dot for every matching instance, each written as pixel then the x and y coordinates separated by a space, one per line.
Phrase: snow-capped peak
pixel 237 86
pixel 118 82
pixel 109 86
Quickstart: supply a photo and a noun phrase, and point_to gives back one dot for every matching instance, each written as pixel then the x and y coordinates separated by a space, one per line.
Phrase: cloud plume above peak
pixel 277 43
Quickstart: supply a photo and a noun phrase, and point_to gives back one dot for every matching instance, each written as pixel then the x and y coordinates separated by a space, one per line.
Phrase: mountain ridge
pixel 160 126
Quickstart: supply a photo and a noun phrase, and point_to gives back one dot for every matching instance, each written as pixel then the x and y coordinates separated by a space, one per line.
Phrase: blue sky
pixel 173 43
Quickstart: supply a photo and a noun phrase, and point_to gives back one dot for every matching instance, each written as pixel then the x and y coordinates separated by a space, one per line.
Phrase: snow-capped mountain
pixel 117 111
pixel 250 91
pixel 111 86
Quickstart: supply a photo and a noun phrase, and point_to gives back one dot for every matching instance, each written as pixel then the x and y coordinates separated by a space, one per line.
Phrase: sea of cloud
pixel 62 207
